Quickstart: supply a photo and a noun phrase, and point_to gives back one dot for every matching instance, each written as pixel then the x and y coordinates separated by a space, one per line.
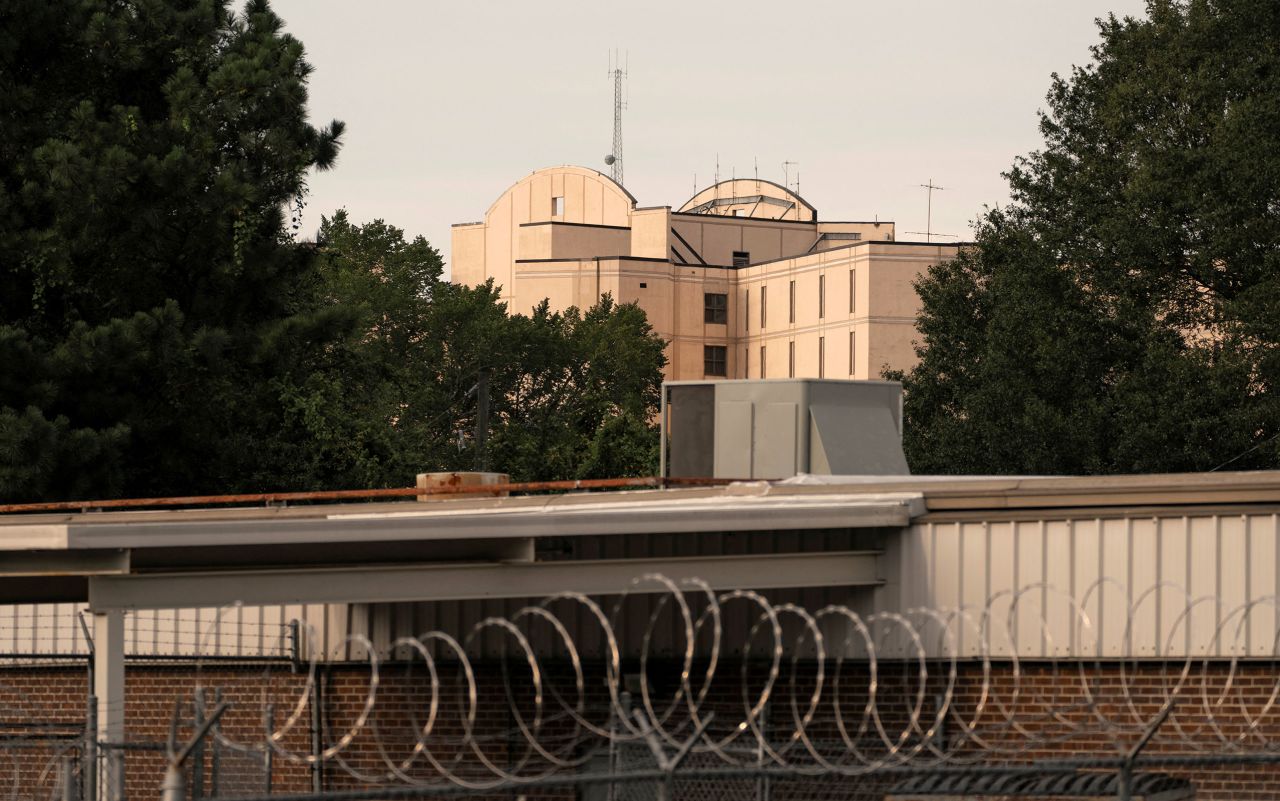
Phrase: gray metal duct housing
pixel 781 427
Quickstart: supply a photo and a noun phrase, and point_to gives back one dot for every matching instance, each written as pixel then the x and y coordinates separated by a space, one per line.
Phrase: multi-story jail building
pixel 744 280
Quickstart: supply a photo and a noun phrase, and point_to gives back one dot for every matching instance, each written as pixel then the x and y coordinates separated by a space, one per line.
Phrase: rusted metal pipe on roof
pixel 361 494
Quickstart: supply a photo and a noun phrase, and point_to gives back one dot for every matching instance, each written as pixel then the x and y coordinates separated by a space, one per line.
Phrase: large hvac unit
pixel 778 428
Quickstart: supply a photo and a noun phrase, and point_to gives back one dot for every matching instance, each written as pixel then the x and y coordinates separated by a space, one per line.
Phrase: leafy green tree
pixel 1121 314
pixel 390 400
pixel 572 395
pixel 585 404
pixel 150 293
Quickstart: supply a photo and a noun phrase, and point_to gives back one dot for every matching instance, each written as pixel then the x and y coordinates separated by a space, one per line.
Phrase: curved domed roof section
pixel 750 197
pixel 565 194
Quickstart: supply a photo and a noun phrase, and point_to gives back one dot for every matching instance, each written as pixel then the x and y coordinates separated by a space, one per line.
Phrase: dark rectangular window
pixel 746 313
pixel 822 357
pixel 792 315
pixel 746 362
pixel 791 359
pixel 741 258
pixel 822 296
pixel 853 284
pixel 714 358
pixel 715 308
pixel 764 306
pixel 762 352
pixel 853 348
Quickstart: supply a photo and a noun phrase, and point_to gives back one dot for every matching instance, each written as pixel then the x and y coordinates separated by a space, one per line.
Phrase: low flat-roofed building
pixel 744 280
pixel 1009 634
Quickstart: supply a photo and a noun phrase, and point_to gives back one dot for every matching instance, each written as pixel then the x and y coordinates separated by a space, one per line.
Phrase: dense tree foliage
pixel 162 333
pixel 572 395
pixel 147 281
pixel 1123 313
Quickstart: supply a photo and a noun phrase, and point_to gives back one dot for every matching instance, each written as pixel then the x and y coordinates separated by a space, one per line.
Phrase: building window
pixel 715 308
pixel 746 315
pixel 822 296
pixel 791 314
pixel 762 361
pixel 643 285
pixel 557 206
pixel 764 306
pixel 741 258
pixel 853 288
pixel 853 348
pixel 714 358
pixel 822 357
pixel 791 359
pixel 746 362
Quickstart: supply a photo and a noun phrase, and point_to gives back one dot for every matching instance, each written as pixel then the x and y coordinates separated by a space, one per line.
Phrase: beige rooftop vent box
pixel 779 428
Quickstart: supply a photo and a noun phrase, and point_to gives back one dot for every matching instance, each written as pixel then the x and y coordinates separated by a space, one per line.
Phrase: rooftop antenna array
pixel 617 71
pixel 786 175
pixel 928 227
pixel 717 181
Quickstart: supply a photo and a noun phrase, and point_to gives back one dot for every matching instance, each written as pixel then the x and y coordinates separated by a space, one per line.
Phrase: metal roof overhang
pixel 422 551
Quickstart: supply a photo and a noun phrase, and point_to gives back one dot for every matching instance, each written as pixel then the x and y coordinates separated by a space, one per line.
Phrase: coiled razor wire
pixel 825 692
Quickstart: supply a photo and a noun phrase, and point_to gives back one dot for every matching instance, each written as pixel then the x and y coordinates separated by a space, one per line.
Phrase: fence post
pixel 90 770
pixel 268 756
pixel 763 791
pixel 70 792
pixel 295 646
pixel 174 787
pixel 1124 790
pixel 197 754
pixel 317 721
pixel 215 761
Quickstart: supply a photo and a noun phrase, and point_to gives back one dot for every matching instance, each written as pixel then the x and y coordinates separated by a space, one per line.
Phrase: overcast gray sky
pixel 448 103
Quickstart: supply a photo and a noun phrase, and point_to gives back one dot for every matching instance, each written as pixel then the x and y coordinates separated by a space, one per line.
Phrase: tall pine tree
pixel 151 153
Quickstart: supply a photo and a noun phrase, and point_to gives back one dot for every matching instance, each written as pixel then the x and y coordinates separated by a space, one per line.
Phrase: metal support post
pixel 108 688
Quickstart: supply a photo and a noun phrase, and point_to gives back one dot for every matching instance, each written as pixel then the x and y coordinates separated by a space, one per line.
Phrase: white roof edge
pixel 40 537
pixel 729 512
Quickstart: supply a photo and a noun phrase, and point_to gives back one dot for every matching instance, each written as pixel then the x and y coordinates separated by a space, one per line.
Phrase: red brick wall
pixel 1044 701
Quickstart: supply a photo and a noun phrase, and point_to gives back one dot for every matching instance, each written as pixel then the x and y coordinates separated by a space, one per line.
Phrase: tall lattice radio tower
pixel 618 72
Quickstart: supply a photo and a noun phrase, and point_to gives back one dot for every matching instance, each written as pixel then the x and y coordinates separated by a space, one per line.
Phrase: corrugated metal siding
pixel 1106 564
pixel 1181 575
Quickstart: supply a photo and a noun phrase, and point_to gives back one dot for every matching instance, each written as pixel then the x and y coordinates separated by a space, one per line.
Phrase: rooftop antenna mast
pixel 717 181
pixel 786 174
pixel 928 228
pixel 617 71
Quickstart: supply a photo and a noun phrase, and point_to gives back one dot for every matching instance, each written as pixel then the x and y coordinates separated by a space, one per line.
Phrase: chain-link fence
pixel 822 705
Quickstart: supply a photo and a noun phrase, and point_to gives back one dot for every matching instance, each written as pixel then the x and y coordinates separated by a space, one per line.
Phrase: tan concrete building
pixel 743 280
